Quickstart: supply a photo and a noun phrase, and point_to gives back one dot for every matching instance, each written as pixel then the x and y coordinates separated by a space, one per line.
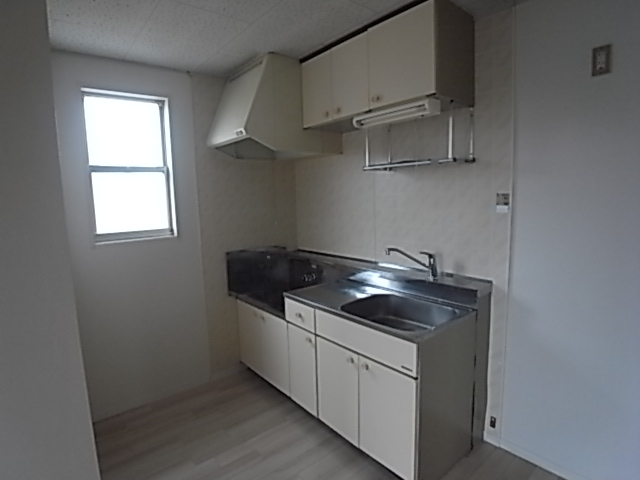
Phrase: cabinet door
pixel 338 389
pixel 302 368
pixel 316 90
pixel 350 77
pixel 250 331
pixel 388 417
pixel 274 351
pixel 402 57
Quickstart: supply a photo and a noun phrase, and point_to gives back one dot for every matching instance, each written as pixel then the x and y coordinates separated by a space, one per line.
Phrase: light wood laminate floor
pixel 241 428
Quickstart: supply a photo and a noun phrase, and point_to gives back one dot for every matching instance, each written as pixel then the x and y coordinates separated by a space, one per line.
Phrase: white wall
pixel 572 385
pixel 243 204
pixel 448 209
pixel 45 429
pixel 141 305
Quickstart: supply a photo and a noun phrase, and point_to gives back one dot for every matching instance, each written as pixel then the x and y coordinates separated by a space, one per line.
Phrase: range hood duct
pixel 260 114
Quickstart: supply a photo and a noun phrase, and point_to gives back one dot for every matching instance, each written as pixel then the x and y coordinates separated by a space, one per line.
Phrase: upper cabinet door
pixel 350 82
pixel 388 417
pixel 316 90
pixel 402 57
pixel 338 389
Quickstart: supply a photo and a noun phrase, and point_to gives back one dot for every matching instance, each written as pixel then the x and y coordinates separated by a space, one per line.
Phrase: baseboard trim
pixel 492 439
pixel 227 372
pixel 146 400
pixel 540 462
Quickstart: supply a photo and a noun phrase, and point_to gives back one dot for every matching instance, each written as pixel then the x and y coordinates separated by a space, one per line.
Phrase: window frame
pixel 165 168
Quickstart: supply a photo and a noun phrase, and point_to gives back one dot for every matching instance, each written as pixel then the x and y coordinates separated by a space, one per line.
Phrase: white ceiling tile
pixel 381 6
pixel 182 37
pixel 245 10
pixel 83 38
pixel 98 27
pixel 297 27
pixel 221 65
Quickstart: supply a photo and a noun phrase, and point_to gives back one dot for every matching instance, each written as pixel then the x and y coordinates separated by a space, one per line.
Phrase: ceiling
pixel 215 36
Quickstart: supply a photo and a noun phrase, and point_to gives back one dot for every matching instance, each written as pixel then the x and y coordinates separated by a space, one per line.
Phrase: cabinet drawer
pixel 300 315
pixel 386 349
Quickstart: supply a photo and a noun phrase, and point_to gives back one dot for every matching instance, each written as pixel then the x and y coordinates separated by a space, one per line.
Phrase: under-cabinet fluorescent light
pixel 400 113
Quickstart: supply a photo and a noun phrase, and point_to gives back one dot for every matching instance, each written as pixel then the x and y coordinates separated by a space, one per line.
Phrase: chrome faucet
pixel 431 266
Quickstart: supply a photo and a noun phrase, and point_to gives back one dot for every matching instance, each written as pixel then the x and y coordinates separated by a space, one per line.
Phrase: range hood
pixel 260 114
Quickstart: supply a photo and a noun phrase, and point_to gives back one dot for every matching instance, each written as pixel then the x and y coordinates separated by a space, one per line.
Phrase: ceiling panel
pixel 181 36
pixel 245 10
pixel 215 36
pixel 106 28
pixel 297 27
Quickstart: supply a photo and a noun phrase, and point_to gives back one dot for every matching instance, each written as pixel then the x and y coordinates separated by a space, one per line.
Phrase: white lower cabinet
pixel 387 410
pixel 371 405
pixel 338 389
pixel 302 368
pixel 264 345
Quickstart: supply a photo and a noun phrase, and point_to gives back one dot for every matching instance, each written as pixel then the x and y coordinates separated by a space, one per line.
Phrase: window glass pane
pixel 123 132
pixel 130 202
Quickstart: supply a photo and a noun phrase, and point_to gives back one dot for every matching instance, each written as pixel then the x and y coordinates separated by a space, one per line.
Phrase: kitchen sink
pixel 401 313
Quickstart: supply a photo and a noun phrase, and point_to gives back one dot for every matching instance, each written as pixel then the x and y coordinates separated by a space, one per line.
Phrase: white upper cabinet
pixel 426 51
pixel 402 57
pixel 316 88
pixel 350 77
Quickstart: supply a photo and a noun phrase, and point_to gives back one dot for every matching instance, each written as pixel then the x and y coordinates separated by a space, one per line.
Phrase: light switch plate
pixel 601 60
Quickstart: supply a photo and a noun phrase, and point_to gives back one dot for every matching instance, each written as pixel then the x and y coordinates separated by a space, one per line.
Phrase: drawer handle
pixel 299 316
pixel 351 360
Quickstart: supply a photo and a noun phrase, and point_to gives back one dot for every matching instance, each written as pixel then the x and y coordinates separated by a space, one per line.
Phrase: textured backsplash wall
pixel 447 209
pixel 243 204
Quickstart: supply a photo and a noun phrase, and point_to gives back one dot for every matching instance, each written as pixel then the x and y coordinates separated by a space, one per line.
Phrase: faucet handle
pixel 433 264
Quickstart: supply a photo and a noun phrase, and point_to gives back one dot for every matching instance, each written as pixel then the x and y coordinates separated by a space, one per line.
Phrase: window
pixel 128 145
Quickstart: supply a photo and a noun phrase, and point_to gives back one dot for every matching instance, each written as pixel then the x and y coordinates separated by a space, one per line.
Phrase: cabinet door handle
pixel 326 114
pixel 310 340
pixel 262 317
pixel 299 316
pixel 365 366
pixel 351 360
pixel 338 110
pixel 376 98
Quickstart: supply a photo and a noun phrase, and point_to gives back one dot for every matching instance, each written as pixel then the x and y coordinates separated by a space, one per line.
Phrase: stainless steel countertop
pixel 329 297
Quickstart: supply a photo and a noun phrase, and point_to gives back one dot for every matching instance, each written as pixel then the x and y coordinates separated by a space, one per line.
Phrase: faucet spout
pixel 431 266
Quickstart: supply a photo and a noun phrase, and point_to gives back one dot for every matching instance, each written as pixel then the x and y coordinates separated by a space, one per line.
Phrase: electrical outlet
pixel 601 60
pixel 492 422
pixel 503 202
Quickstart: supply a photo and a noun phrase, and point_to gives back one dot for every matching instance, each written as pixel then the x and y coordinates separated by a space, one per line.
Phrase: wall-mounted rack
pixel 449 159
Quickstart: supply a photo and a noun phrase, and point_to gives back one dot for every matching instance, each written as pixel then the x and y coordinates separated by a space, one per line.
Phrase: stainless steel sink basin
pixel 401 313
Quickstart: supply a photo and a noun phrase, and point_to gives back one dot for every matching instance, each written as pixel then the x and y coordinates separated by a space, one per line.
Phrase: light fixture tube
pixel 424 108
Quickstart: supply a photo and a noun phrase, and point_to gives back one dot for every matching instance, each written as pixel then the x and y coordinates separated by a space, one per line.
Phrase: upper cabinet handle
pixel 365 366
pixel 351 360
